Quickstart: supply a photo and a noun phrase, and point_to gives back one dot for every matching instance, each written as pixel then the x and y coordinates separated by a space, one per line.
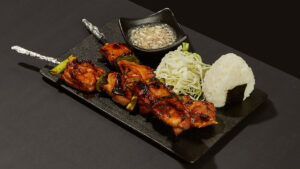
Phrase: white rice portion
pixel 226 73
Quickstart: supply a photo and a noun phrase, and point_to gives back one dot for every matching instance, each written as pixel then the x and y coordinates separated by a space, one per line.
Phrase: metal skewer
pixel 92 28
pixel 95 31
pixel 34 54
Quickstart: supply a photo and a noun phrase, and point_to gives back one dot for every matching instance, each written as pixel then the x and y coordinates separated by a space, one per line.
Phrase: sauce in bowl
pixel 152 36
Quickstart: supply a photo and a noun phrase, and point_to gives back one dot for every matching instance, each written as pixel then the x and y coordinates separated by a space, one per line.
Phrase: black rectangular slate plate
pixel 191 144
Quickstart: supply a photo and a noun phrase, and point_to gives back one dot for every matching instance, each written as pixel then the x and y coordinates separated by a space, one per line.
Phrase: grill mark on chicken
pixel 116 46
pixel 204 117
pixel 118 90
pixel 162 98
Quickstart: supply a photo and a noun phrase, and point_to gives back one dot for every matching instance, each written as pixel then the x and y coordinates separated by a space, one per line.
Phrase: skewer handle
pixel 34 54
pixel 95 31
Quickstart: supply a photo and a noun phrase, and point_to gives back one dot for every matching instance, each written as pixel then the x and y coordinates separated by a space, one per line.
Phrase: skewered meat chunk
pixel 158 90
pixel 148 93
pixel 134 72
pixel 153 96
pixel 134 78
pixel 173 113
pixel 82 75
pixel 111 51
pixel 202 113
pixel 142 91
pixel 113 87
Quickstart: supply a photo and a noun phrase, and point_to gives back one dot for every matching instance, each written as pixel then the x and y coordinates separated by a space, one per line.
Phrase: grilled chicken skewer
pixel 154 96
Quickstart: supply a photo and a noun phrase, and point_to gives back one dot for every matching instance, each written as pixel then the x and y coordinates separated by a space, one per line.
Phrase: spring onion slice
pixel 61 67
pixel 130 106
pixel 183 70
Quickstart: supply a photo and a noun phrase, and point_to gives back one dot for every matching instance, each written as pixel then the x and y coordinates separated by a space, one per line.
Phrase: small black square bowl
pixel 152 57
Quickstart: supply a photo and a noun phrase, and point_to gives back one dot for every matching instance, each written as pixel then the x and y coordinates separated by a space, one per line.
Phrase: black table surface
pixel 43 127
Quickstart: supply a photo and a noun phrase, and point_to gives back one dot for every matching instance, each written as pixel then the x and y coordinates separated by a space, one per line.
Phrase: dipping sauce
pixel 152 36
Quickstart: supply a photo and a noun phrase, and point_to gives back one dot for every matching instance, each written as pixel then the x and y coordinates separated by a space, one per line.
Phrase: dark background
pixel 265 30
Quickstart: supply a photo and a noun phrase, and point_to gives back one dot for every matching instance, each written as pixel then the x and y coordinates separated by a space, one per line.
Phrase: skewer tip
pixel 14 47
pixel 94 30
pixel 18 49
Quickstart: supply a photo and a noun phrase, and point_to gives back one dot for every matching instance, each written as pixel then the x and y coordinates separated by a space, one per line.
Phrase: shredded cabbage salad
pixel 183 70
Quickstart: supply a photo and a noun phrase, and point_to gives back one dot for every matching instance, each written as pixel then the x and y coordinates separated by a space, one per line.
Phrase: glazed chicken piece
pixel 202 113
pixel 134 76
pixel 153 96
pixel 142 91
pixel 133 72
pixel 112 86
pixel 167 106
pixel 148 93
pixel 112 51
pixel 173 113
pixel 82 75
